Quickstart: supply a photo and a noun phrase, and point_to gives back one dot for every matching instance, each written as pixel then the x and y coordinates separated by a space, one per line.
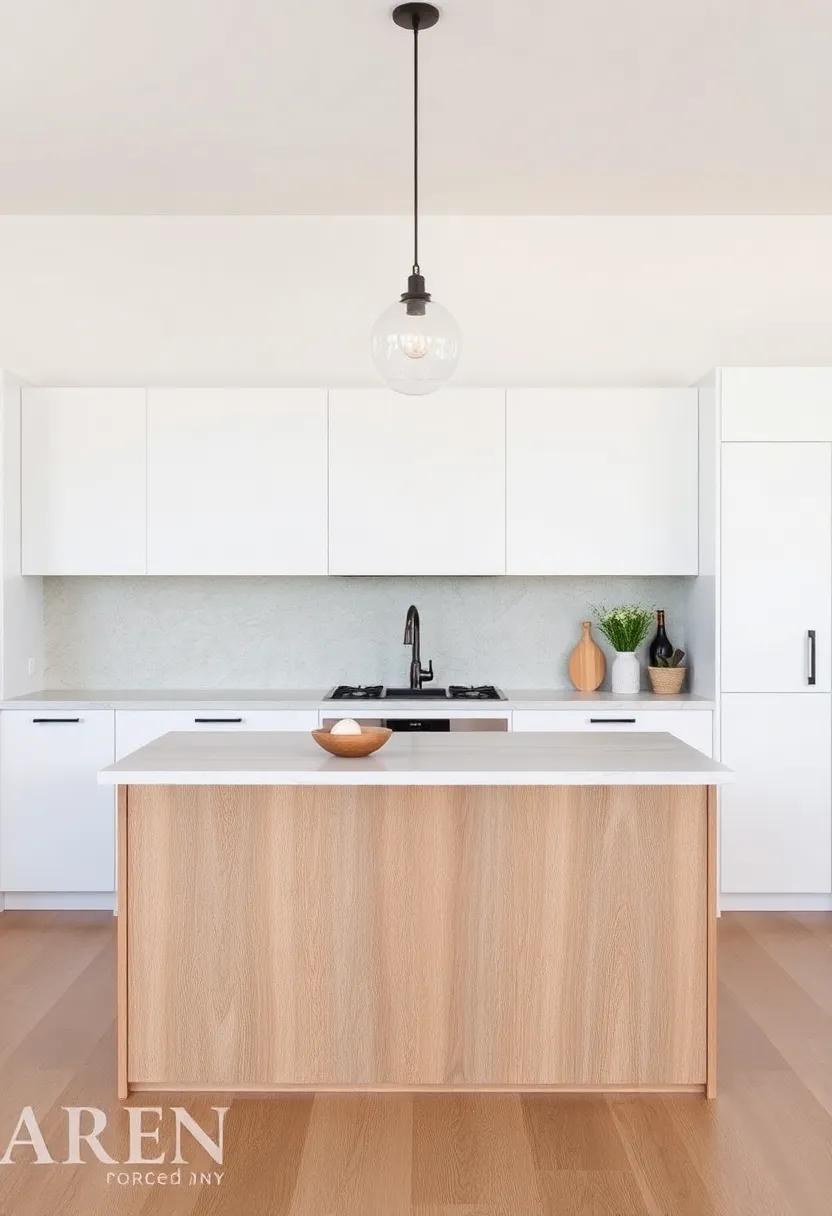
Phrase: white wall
pixel 21 599
pixel 285 300
pixel 314 632
pixel 290 300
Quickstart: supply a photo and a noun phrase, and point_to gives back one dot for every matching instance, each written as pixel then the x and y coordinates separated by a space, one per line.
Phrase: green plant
pixel 675 659
pixel 625 627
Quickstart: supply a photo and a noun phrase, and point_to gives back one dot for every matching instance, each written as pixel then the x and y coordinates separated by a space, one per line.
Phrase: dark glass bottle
pixel 661 646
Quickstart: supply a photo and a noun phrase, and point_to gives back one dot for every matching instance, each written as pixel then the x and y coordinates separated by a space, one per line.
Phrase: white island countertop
pixel 294 758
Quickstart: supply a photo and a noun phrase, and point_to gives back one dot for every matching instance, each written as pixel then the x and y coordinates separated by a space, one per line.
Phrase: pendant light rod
pixel 416 342
pixel 416 17
pixel 415 143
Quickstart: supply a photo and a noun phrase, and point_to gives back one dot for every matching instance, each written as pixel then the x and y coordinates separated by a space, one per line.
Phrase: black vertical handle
pixel 813 647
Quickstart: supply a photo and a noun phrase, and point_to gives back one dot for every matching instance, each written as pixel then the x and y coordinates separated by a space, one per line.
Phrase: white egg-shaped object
pixel 346 726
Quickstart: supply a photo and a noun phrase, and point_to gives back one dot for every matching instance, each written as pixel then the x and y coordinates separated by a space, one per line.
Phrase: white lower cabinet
pixel 776 817
pixel 136 727
pixel 57 825
pixel 693 726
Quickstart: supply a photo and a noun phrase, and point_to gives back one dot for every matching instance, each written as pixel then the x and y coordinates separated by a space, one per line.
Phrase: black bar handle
pixel 813 656
pixel 613 721
pixel 216 721
pixel 53 721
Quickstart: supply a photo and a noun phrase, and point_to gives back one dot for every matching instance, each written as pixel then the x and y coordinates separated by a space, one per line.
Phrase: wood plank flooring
pixel 763 1148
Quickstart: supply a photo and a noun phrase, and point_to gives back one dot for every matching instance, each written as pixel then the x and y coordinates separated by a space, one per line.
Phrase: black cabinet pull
pixel 53 721
pixel 613 721
pixel 216 721
pixel 813 648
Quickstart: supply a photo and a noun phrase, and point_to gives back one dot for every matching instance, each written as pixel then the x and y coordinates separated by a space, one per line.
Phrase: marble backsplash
pixel 315 632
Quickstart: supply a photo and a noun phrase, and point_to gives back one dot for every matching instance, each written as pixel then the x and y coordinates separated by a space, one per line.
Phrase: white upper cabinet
pixel 602 481
pixel 776 403
pixel 776 567
pixel 83 475
pixel 237 481
pixel 417 484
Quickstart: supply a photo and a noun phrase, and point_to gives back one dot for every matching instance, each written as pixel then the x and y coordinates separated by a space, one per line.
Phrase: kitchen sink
pixel 417 693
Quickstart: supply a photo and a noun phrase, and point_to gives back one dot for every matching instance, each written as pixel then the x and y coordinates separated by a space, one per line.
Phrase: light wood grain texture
pixel 121 974
pixel 761 1149
pixel 587 665
pixel 417 936
pixel 472 1150
pixel 711 896
pixel 358 1158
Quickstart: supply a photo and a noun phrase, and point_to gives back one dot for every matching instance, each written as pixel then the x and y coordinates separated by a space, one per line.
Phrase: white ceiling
pixel 302 107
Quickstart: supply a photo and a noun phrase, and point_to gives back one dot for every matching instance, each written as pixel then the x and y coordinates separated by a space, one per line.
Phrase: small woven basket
pixel 666 681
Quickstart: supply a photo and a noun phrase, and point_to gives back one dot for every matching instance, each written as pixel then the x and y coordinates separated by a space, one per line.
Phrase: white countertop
pixel 294 758
pixel 314 699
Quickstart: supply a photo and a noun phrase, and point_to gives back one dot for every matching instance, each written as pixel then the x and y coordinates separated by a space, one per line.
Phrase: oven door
pixel 403 721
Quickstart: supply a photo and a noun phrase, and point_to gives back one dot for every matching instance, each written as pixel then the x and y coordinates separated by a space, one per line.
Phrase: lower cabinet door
pixel 776 817
pixel 692 726
pixel 57 824
pixel 136 727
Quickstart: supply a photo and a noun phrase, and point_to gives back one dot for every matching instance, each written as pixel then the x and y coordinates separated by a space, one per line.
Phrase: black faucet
pixel 418 674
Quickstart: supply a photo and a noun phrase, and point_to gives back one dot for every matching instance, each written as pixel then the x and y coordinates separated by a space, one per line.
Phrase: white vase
pixel 626 673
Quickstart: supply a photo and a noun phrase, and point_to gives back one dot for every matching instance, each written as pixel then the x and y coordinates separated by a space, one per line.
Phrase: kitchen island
pixel 455 912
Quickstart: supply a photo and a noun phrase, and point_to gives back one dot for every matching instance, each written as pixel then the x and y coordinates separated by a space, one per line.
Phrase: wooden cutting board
pixel 587 665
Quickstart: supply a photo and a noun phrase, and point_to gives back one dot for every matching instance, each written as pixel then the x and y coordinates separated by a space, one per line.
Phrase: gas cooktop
pixel 377 692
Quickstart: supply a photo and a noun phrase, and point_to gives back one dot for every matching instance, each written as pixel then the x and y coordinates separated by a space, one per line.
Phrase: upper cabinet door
pixel 417 484
pixel 237 481
pixel 776 403
pixel 602 481
pixel 83 478
pixel 776 566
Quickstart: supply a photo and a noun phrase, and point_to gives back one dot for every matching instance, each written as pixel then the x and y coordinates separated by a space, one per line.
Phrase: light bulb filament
pixel 415 346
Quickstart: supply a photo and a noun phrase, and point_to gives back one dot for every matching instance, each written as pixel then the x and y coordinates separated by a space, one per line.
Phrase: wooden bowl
pixel 370 740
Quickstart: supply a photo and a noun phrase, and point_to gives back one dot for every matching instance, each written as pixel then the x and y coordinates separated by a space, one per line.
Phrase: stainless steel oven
pixel 429 722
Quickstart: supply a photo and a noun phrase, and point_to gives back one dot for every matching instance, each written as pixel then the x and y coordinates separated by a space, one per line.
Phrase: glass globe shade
pixel 415 354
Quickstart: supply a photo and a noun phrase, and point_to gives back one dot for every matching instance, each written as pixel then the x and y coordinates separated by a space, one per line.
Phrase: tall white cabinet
pixel 775 632
pixel 776 567
pixel 776 820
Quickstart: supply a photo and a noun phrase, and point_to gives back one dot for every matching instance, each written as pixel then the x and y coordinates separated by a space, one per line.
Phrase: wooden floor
pixel 763 1148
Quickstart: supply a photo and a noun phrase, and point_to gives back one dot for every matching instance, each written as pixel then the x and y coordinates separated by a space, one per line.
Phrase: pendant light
pixel 416 342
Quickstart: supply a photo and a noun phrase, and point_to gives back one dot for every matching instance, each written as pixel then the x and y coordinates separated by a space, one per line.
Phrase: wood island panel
pixel 412 936
pixel 121 968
